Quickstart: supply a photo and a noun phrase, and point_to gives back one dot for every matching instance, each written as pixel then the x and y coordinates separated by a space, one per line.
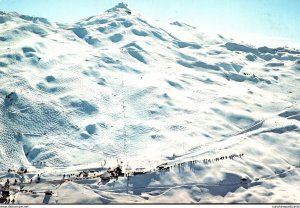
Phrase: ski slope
pixel 120 86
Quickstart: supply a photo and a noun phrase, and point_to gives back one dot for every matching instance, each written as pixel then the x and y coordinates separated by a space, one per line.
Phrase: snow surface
pixel 121 87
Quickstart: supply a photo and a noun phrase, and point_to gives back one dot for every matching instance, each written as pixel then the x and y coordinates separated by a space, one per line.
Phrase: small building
pixel 139 171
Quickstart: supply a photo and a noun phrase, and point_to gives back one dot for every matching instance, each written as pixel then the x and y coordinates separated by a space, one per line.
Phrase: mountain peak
pixel 119 7
pixel 181 24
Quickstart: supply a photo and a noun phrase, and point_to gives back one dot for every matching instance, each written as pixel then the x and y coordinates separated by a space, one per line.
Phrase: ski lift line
pixel 195 153
pixel 123 112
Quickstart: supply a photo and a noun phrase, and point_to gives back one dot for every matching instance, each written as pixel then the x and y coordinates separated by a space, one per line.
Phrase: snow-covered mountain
pixel 118 86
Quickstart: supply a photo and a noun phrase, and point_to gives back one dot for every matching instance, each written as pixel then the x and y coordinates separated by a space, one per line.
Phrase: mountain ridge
pixel 144 71
pixel 119 88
